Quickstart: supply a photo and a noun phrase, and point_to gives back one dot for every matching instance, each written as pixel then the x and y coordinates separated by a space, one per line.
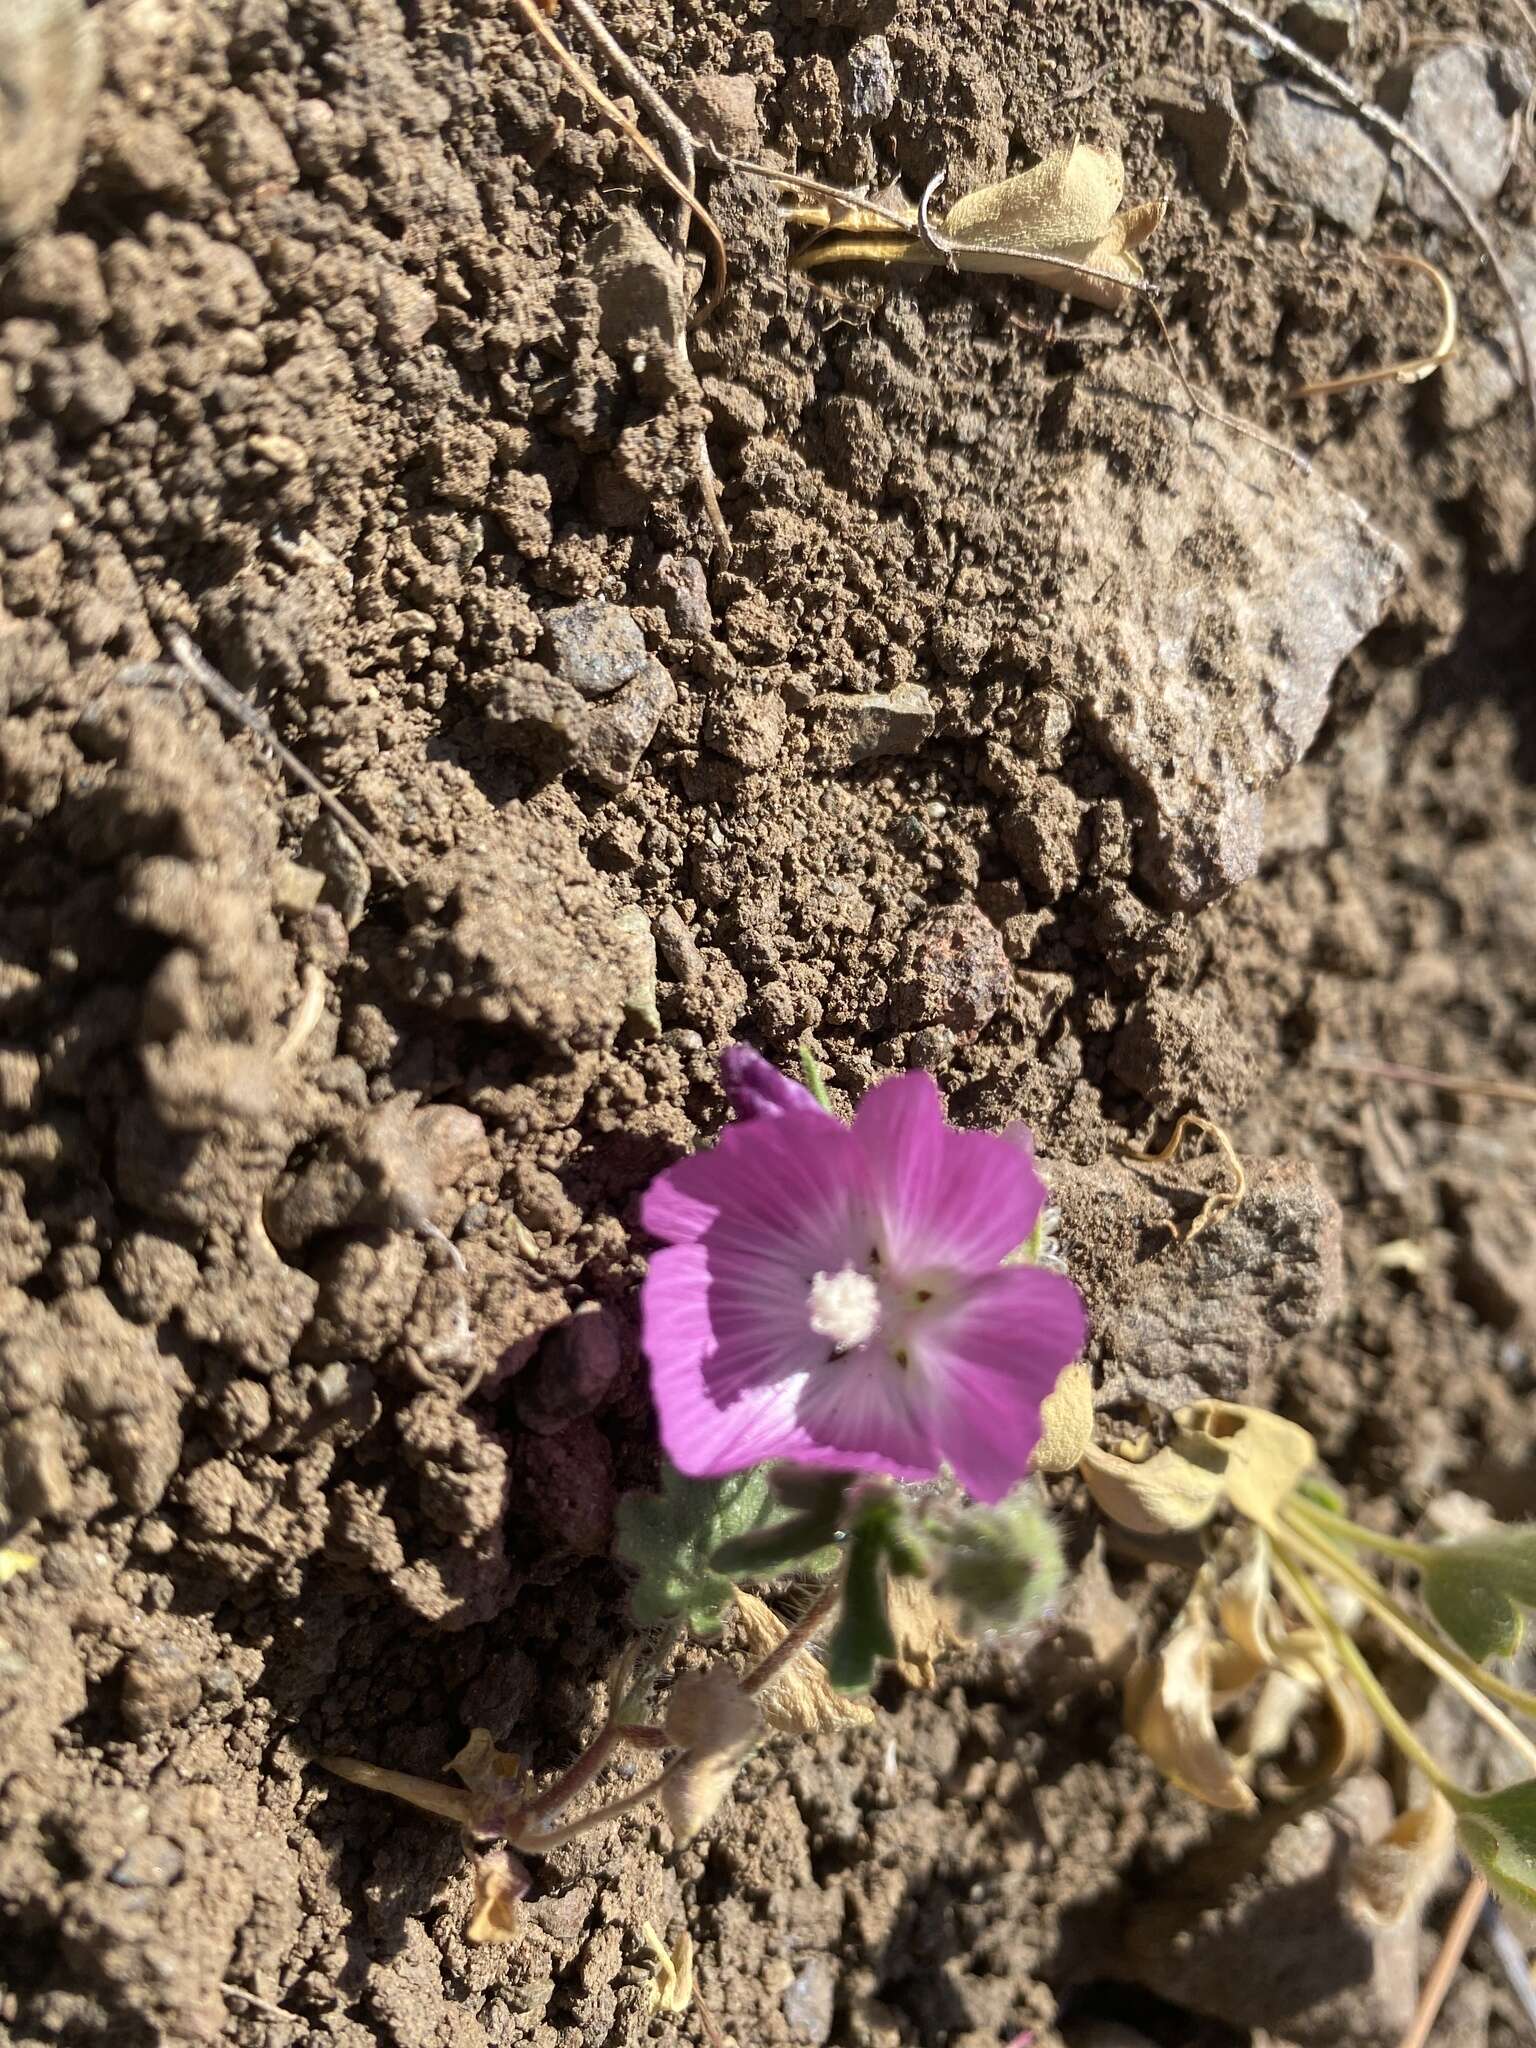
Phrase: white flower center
pixel 845 1306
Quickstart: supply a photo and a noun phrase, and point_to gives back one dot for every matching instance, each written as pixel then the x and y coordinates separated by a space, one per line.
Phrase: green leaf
pixel 801 1543
pixel 862 1634
pixel 814 1079
pixel 671 1538
pixel 1498 1833
pixel 1476 1588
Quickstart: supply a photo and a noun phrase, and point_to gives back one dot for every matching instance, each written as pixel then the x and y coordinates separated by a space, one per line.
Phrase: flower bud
pixel 998 1569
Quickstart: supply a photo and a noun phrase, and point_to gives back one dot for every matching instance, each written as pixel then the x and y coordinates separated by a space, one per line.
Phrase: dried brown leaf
pixel 500 1883
pixel 1388 1880
pixel 1168 1709
pixel 1157 1496
pixel 922 1630
pixel 1066 1421
pixel 1266 1457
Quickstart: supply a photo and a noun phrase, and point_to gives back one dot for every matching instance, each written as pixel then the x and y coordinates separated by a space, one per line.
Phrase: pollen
pixel 845 1306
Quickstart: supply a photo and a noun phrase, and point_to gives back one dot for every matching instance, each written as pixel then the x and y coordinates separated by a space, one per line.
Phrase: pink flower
pixel 832 1293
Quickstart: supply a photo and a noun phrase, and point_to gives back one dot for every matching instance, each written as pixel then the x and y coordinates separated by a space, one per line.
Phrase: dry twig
pixel 1220 1201
pixel 228 699
pixel 1447 1962
pixel 1385 124
pixel 1416 367
pixel 1427 1077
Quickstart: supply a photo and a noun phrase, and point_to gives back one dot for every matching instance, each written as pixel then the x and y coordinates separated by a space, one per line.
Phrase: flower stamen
pixel 845 1306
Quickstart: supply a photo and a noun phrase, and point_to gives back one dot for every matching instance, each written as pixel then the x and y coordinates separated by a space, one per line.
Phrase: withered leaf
pixel 1160 1495
pixel 1391 1877
pixel 500 1883
pixel 1168 1709
pixel 712 1719
pixel 802 1699
pixel 1066 1421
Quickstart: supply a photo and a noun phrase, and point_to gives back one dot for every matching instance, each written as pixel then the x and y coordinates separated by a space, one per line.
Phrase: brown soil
pixel 323 361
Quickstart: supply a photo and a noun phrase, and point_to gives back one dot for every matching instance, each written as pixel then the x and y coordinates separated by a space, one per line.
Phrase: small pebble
pixel 151 1864
pixel 593 646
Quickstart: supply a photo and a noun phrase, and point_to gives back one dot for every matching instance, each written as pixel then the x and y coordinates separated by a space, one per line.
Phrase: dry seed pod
pixel 711 1718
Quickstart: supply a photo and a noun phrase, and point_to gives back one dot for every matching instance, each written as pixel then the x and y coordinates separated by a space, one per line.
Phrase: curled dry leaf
pixel 1391 1878
pixel 671 1986
pixel 712 1720
pixel 1265 1456
pixel 1066 1421
pixel 1058 225
pixel 801 1700
pixel 1161 1495
pixel 500 1883
pixel 1168 1709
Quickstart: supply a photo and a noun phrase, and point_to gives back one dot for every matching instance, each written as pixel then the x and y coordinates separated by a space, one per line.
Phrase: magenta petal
pixel 866 1413
pixel 729 1346
pixel 993 1358
pixel 945 1198
pixel 783 1181
pixel 754 1087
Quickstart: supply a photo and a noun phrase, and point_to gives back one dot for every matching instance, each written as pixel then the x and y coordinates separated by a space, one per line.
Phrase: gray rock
pixel 1496 1267
pixel 684 591
pixel 619 730
pixel 576 1366
pixel 849 729
pixel 595 647
pixel 160 1688
pixel 678 949
pixel 1202 114
pixel 534 715
pixel 1317 155
pixel 809 2000
pixel 1205 685
pixel 1462 105
pixel 640 297
pixel 1256 1930
pixel 1327 27
pixel 951 970
pixel 868 82
pixel 1201 1323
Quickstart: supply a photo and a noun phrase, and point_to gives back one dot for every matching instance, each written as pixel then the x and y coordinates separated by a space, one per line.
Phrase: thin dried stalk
pixel 1416 367
pixel 1385 124
pixel 1447 1963
pixel 1428 1077
pixel 1220 1201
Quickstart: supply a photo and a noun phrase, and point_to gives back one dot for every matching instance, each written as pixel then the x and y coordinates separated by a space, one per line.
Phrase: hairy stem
pixel 541 1840
pixel 1301 1541
pixel 1292 1574
pixel 1355 1533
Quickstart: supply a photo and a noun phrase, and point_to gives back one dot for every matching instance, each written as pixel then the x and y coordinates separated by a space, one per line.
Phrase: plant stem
pixel 1297 1537
pixel 541 1841
pixel 1357 1534
pixel 803 1633
pixel 1293 1575
pixel 576 1779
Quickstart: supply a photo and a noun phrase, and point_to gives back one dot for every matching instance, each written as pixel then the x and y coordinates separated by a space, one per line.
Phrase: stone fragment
pixel 684 590
pixel 1205 684
pixel 1202 114
pixel 808 2001
pixel 640 298
pixel 593 646
pixel 160 1687
pixel 1326 27
pixel 868 78
pixel 722 107
pixel 1317 155
pixel 951 970
pixel 1203 1326
pixel 1040 836
pixel 678 949
pixel 1256 1930
pixel 617 732
pixel 849 729
pixel 1463 106
pixel 575 1367
pixel 50 68
pixel 747 727
pixel 518 929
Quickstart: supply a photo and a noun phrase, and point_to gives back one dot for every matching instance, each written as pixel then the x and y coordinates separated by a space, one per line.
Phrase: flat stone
pixel 808 2001
pixel 722 107
pixel 1198 1323
pixel 1205 684
pixel 849 729
pixel 1463 106
pixel 593 646
pixel 618 731
pixel 1318 155
pixel 1256 1930
pixel 683 587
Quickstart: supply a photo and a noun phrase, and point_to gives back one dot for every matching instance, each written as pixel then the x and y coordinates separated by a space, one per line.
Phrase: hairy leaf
pixel 1498 1832
pixel 1476 1588
pixel 670 1539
